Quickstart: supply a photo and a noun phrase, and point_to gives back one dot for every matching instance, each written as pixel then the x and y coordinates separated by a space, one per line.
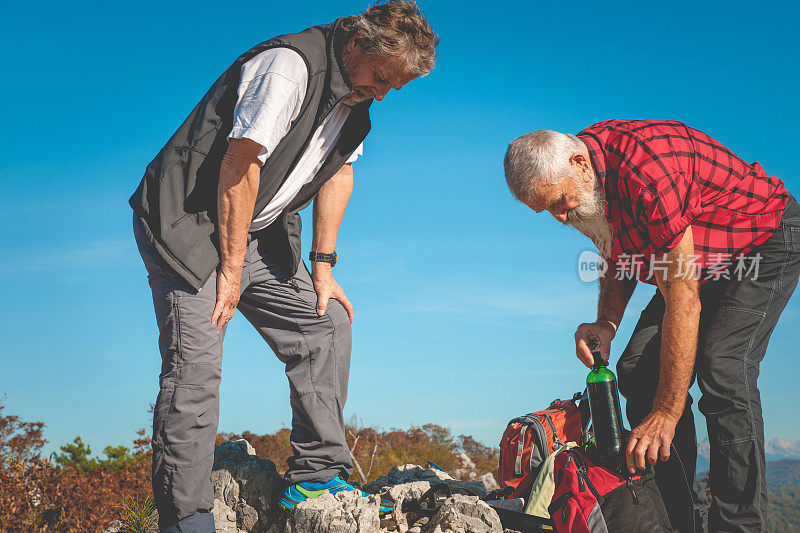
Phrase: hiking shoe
pixel 306 490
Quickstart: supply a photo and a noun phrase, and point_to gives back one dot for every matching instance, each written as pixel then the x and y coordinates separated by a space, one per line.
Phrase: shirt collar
pixel 597 157
pixel 339 82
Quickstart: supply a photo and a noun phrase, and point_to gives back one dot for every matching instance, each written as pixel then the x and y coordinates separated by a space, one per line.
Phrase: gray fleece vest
pixel 177 197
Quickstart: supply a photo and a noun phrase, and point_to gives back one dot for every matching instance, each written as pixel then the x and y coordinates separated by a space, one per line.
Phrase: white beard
pixel 590 219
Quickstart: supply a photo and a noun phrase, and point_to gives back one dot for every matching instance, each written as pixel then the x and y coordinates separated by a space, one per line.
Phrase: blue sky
pixel 465 301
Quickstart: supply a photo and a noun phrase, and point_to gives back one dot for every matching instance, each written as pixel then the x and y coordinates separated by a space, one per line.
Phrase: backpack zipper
pixel 629 483
pixel 556 440
pixel 560 502
pixel 583 474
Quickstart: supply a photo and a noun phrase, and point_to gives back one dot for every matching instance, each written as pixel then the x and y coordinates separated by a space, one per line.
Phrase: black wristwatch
pixel 319 257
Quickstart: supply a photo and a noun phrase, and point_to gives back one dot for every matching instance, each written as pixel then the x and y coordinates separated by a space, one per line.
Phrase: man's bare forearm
pixel 329 207
pixel 678 351
pixel 614 296
pixel 679 328
pixel 238 187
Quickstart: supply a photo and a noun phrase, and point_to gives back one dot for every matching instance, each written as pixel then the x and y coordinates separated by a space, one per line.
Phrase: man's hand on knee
pixel 228 291
pixel 650 441
pixel 326 288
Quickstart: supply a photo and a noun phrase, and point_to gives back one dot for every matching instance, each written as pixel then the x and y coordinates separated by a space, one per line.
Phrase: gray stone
pixel 114 527
pixel 465 514
pixel 489 482
pixel 243 488
pixel 224 518
pixel 516 505
pixel 406 474
pixel 343 512
pixel 118 526
pixel 411 473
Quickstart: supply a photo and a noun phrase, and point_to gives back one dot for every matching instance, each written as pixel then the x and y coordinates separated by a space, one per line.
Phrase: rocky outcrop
pixel 246 486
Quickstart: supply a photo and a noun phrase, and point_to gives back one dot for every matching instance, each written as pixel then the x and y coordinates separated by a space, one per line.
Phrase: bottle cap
pixel 594 347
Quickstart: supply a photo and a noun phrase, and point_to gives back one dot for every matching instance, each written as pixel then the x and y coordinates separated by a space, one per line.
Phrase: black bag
pixel 590 498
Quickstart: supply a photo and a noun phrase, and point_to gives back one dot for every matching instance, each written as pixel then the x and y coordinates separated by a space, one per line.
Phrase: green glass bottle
pixel 604 406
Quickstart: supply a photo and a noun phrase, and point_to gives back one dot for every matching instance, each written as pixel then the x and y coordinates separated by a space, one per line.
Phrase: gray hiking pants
pixel 315 350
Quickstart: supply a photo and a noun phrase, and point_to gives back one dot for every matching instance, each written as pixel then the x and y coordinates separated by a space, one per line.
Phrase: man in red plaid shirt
pixel 668 205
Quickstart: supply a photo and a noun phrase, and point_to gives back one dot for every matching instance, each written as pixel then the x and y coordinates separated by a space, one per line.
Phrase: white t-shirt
pixel 271 91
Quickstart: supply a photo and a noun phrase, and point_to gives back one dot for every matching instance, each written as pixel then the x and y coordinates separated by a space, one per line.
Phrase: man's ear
pixel 582 162
pixel 353 43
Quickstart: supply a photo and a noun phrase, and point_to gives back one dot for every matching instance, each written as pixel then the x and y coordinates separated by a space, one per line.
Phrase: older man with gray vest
pixel 217 225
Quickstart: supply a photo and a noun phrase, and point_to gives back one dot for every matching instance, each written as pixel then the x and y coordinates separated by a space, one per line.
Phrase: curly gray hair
pixel 395 28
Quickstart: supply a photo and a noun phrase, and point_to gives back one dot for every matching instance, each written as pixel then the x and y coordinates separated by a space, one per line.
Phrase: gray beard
pixel 590 219
pixel 350 65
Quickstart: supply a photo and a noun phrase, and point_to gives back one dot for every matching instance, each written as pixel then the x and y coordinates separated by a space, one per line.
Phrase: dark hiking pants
pixel 315 350
pixel 736 321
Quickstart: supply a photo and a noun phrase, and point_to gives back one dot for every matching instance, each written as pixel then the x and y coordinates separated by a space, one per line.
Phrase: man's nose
pixel 561 217
pixel 381 92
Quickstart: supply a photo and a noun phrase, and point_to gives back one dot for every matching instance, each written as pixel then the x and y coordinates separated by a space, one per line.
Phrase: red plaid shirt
pixel 660 177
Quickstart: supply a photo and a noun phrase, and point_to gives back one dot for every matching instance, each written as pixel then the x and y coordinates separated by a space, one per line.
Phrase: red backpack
pixel 528 440
pixel 589 498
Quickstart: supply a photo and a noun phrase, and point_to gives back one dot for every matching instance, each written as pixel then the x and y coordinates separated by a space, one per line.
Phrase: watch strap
pixel 319 257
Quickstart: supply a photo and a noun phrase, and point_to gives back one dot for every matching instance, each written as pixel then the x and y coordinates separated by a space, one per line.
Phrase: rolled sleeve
pixel 265 111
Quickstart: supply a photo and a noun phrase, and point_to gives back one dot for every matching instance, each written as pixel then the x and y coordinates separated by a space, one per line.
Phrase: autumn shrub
pixel 37 494
pixel 78 492
pixel 486 459
pixel 376 452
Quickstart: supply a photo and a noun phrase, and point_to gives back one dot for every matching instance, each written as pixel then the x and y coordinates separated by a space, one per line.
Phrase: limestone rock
pixel 244 485
pixel 224 518
pixel 118 526
pixel 406 474
pixel 343 512
pixel 465 514
pixel 411 473
pixel 489 482
pixel 516 505
pixel 114 527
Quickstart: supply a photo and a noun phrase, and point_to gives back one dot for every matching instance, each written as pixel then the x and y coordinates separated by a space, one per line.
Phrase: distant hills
pixel 783 472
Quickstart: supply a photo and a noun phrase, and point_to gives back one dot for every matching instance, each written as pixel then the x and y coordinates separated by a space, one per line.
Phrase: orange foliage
pixel 36 495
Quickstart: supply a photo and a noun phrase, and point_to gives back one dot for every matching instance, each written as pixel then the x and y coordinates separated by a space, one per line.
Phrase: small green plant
pixel 137 515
